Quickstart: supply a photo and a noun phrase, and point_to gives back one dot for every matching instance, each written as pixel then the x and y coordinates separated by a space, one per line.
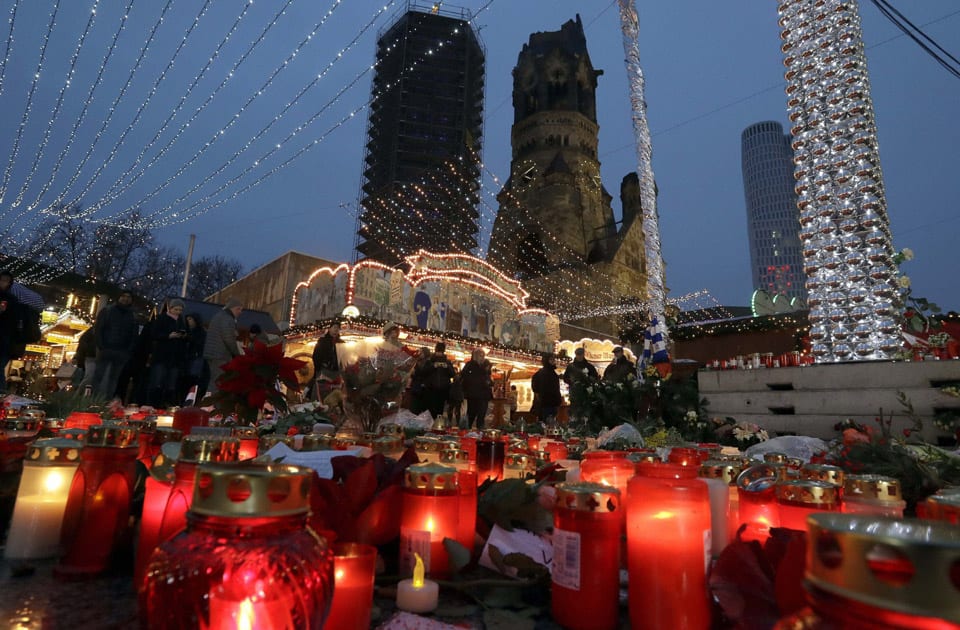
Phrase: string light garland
pixel 26 111
pixel 56 109
pixel 6 51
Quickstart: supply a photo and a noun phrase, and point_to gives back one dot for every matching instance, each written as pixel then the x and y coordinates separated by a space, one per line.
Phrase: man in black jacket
pixel 439 374
pixel 579 369
pixel 546 390
pixel 326 362
pixel 620 369
pixel 477 381
pixel 8 325
pixel 116 331
pixel 169 354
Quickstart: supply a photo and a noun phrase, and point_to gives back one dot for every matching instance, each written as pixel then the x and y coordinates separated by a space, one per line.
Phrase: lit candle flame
pixel 338 575
pixel 663 515
pixel 418 571
pixel 53 481
pixel 246 617
pixel 430 524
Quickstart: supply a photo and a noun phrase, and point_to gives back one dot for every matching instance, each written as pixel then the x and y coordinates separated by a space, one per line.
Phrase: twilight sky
pixel 712 68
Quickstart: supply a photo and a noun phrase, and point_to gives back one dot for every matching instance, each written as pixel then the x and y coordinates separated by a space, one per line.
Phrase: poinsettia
pixel 249 381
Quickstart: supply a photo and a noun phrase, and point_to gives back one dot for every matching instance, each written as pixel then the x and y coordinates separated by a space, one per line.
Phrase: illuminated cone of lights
pixel 845 235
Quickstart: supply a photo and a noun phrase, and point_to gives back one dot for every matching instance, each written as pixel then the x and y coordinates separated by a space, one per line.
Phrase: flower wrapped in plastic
pixel 374 383
pixel 252 380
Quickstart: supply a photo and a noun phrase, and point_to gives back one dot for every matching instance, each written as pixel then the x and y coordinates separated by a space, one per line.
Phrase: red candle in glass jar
pixel 756 491
pixel 186 418
pixel 82 420
pixel 557 450
pixel 275 572
pixel 354 572
pixel 873 494
pixel 799 499
pixel 469 444
pixel 249 441
pixel 467 485
pixel 668 542
pixel 194 450
pixel 586 556
pixel 686 456
pixel 156 492
pixel 610 468
pixel 98 508
pixel 490 455
pixel 430 513
pixel 160 436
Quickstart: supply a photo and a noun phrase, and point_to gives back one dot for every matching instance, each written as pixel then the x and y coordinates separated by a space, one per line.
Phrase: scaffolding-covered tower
pixel 421 176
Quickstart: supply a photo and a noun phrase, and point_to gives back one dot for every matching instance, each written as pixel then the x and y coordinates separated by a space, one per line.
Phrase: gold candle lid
pixel 391 444
pixel 491 434
pixel 21 424
pixel 518 460
pixel 146 425
pixel 554 431
pixel 716 469
pixel 427 443
pixel 759 478
pixel 53 451
pixel 892 564
pixel 454 457
pixel 166 434
pixel 53 423
pixel 774 457
pixel 823 472
pixel 809 493
pixel 543 457
pixel 588 497
pixel 33 413
pixel 204 448
pixel 343 441
pixel 389 428
pixel 872 488
pixel 111 436
pixel 367 438
pixel 269 441
pixel 430 476
pixel 316 442
pixel 245 433
pixel 74 434
pixel 247 489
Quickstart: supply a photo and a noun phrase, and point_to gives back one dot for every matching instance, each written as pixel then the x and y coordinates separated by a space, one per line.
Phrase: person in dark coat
pixel 455 402
pixel 546 390
pixel 86 358
pixel 477 381
pixel 8 325
pixel 326 361
pixel 116 332
pixel 439 375
pixel 418 382
pixel 579 369
pixel 620 369
pixel 197 373
pixel 169 355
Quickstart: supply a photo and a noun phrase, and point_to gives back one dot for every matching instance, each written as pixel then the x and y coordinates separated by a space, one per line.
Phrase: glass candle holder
pixel 826 473
pixel 48 470
pixel 490 455
pixel 608 468
pixel 354 572
pixel 82 420
pixel 586 558
pixel 194 450
pixel 558 450
pixel 800 498
pixel 249 440
pixel 467 486
pixel 686 456
pixel 156 491
pixel 727 472
pixel 428 448
pixel 159 437
pixel 866 572
pixel 145 430
pixel 430 513
pixel 389 445
pixel 757 500
pixel 518 466
pixel 275 572
pixel 98 508
pixel 269 441
pixel 872 494
pixel 668 547
pixel 186 418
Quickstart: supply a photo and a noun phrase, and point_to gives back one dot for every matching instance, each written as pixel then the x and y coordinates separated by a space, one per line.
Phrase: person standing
pixel 169 355
pixel 477 381
pixel 86 359
pixel 198 374
pixel 116 331
pixel 440 374
pixel 8 326
pixel 418 382
pixel 580 369
pixel 546 390
pixel 221 343
pixel 620 369
pixel 326 361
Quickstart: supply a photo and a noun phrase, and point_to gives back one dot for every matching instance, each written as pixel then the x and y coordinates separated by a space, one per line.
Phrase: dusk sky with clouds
pixel 712 69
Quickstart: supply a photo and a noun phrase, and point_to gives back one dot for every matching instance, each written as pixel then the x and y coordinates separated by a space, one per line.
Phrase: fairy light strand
pixel 24 119
pixel 6 51
pixel 68 80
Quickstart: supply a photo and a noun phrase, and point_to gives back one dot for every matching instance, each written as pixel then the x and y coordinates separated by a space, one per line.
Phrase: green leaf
pixel 451 610
pixel 916 324
pixel 503 597
pixel 459 555
pixel 527 567
pixel 498 619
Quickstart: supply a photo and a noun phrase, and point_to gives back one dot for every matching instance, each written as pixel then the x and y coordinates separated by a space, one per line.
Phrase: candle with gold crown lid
pixel 726 472
pixel 274 573
pixel 48 470
pixel 430 513
pixel 97 515
pixel 872 494
pixel 798 499
pixel 467 487
pixel 867 572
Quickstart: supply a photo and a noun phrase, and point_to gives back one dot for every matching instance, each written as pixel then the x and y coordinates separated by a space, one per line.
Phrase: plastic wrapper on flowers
pixel 625 433
pixel 798 446
pixel 373 384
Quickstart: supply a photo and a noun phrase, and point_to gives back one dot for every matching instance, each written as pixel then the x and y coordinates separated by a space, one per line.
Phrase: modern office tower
pixel 773 221
pixel 421 168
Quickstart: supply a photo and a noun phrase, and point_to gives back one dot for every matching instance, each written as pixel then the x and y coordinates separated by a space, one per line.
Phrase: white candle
pixel 35 528
pixel 719 514
pixel 417 595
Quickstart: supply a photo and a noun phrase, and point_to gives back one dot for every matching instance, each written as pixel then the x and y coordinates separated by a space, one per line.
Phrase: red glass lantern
pixel 686 456
pixel 872 494
pixel 518 466
pixel 354 572
pixel 467 485
pixel 429 514
pixel 586 556
pixel 533 442
pixel 156 440
pixel 156 492
pixel 609 468
pixel 177 495
pixel 82 420
pixel 866 572
pixel 800 498
pixel 186 418
pixel 557 450
pixel 758 501
pixel 247 559
pixel 249 440
pixel 98 508
pixel 668 541
pixel 825 473
pixel 490 455
pixel 469 444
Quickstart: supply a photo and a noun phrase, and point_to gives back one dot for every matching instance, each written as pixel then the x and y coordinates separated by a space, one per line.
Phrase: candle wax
pixel 417 599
